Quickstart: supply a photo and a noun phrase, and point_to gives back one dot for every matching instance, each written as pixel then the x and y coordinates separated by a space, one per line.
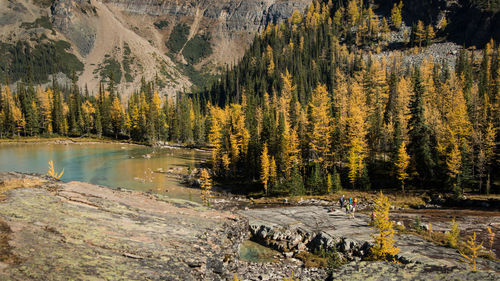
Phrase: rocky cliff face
pixel 236 15
pixel 138 43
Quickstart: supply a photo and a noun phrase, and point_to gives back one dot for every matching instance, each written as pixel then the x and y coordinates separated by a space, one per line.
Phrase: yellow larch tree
pixel 357 131
pixel 284 147
pixel 384 230
pixel 264 167
pixel 116 115
pixel 434 100
pixel 396 17
pixel 474 249
pixel 443 23
pixel 52 172
pixel 273 172
pixel 14 112
pixel 294 149
pixel 226 163
pixel 403 104
pixel 337 17
pixel 45 104
pixel 453 234
pixel 355 159
pixel 217 118
pixel 296 17
pixel 17 117
pixel 286 94
pixel 321 130
pixel 453 134
pixel 88 112
pixel 453 160
pixel 239 132
pixel 206 186
pixel 270 59
pixel 491 237
pixel 401 164
pixel 420 33
pixel 429 33
pixel 352 12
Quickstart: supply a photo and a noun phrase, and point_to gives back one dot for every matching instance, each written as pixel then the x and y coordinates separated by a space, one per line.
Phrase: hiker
pixel 373 217
pixel 342 201
pixel 354 202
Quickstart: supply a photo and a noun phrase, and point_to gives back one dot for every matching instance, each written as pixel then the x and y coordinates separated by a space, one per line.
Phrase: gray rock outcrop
pixel 234 15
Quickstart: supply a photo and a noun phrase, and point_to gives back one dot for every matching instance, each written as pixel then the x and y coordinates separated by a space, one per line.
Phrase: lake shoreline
pixel 92 140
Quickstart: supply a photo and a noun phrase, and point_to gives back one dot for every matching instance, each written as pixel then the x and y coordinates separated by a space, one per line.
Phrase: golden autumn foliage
pixel 52 172
pixel 453 235
pixel 88 112
pixel 384 230
pixel 396 17
pixel 473 247
pixel 356 132
pixel 321 130
pixel 491 237
pixel 273 172
pixel 352 12
pixel 420 33
pixel 116 115
pixel 264 167
pixel 355 160
pixel 45 100
pixel 402 163
pixel 296 17
pixel 206 186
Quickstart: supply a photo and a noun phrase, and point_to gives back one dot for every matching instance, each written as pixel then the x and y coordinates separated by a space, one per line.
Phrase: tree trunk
pixel 488 184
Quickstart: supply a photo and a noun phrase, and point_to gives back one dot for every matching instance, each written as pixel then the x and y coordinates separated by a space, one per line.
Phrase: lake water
pixel 254 252
pixel 109 164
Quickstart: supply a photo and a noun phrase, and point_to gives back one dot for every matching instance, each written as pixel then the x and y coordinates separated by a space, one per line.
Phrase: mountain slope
pixel 177 43
pixel 134 39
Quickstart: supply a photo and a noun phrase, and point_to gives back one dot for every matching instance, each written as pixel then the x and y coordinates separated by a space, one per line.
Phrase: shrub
pixel 473 248
pixel 453 234
pixel 161 24
pixel 178 37
pixel 197 48
pixel 418 224
pixel 111 68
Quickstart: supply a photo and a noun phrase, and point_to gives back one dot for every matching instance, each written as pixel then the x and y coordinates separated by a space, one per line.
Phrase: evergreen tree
pixel 419 132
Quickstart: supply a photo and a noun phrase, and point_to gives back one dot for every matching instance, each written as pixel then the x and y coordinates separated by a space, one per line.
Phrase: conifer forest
pixel 317 103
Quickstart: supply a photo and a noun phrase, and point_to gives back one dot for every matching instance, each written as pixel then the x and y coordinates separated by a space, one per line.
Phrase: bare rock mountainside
pixel 170 41
pixel 177 43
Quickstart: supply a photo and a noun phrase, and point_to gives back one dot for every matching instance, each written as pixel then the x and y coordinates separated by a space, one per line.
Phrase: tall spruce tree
pixel 419 132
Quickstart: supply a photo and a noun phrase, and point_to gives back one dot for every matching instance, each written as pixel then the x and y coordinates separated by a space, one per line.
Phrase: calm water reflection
pixel 113 165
